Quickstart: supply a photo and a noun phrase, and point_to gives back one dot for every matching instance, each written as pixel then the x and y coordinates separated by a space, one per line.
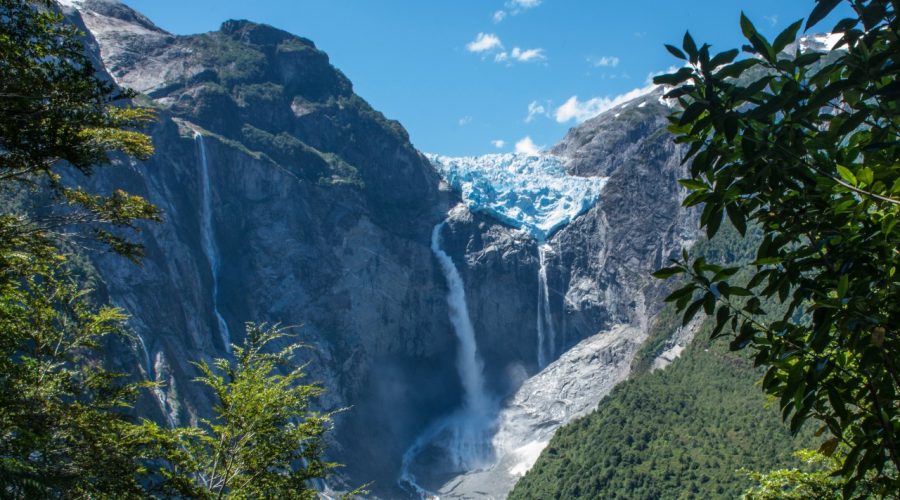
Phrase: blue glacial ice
pixel 529 192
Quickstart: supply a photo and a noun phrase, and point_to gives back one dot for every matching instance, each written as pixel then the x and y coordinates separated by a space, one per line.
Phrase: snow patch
pixel 820 41
pixel 530 192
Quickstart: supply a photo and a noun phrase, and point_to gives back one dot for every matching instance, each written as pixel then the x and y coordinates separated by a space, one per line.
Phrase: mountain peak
pixel 259 34
pixel 115 10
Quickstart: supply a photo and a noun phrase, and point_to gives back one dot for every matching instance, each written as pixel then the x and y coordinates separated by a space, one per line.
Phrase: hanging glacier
pixel 529 192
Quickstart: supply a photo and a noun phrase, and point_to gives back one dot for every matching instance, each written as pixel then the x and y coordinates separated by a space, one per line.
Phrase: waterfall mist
pixel 461 440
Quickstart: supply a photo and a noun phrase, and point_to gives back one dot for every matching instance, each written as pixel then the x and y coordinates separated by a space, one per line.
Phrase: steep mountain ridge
pixel 321 215
pixel 287 198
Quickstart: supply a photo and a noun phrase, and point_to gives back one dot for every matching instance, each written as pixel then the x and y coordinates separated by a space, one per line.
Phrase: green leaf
pixel 747 27
pixel 680 76
pixel 681 292
pixel 735 70
pixel 675 51
pixel 714 222
pixel 709 303
pixel 843 285
pixel 723 58
pixel 690 46
pixel 827 448
pixel 865 176
pixel 691 311
pixel 787 36
pixel 692 113
pixel 693 185
pixel 847 175
pixel 822 9
pixel 668 272
pixel 737 218
pixel 731 127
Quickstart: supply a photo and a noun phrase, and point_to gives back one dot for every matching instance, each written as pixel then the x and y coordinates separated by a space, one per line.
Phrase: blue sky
pixel 479 76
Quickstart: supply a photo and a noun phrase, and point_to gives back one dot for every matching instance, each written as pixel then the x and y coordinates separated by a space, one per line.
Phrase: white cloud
pixel 484 42
pixel 498 143
pixel 521 55
pixel 515 7
pixel 527 146
pixel 489 43
pixel 465 121
pixel 522 4
pixel 527 55
pixel 773 20
pixel 535 109
pixel 605 61
pixel 574 109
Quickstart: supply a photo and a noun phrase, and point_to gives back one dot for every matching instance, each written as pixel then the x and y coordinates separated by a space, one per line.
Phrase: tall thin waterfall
pixel 462 437
pixel 468 363
pixel 151 373
pixel 546 333
pixel 148 366
pixel 209 241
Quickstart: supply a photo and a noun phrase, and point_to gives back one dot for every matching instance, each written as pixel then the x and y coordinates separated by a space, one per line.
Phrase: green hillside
pixel 682 432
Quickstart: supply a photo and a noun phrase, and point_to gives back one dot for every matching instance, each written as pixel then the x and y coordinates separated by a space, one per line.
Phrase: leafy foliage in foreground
pixel 56 118
pixel 61 427
pixel 807 150
pixel 64 425
pixel 264 442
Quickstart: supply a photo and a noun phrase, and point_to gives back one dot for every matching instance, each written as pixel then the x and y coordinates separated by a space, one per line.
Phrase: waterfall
pixel 209 243
pixel 463 437
pixel 468 363
pixel 148 367
pixel 151 374
pixel 546 333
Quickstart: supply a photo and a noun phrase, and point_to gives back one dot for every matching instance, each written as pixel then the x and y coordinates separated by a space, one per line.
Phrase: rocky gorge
pixel 288 199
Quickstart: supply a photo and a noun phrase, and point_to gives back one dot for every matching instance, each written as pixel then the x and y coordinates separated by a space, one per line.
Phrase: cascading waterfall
pixel 150 373
pixel 468 362
pixel 208 240
pixel 546 333
pixel 534 193
pixel 464 435
pixel 148 367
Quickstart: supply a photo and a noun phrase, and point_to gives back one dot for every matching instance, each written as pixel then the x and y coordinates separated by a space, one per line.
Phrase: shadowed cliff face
pixel 320 215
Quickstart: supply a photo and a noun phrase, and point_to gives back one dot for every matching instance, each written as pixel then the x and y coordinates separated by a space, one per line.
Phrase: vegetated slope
pixel 682 432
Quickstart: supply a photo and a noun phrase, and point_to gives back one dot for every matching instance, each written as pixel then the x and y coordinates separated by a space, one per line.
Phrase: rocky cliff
pixel 598 276
pixel 320 216
pixel 288 199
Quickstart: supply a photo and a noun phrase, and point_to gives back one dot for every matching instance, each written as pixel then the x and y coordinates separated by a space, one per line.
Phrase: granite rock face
pixel 602 298
pixel 320 214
